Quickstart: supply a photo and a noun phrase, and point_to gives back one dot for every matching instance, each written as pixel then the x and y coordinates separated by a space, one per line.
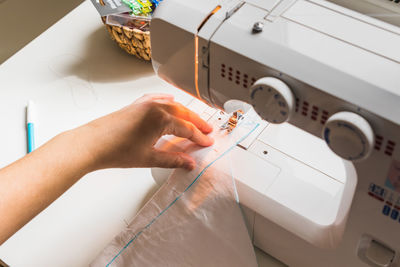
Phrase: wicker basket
pixel 134 41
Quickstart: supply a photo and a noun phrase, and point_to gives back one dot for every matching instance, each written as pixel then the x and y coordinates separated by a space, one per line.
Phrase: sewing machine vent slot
pixel 237 76
pixel 389 148
pixel 378 142
pixel 315 111
pixel 390 145
pixel 324 116
pixel 305 108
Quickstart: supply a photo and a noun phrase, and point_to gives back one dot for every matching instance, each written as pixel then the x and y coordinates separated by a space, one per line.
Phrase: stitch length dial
pixel 349 135
pixel 272 99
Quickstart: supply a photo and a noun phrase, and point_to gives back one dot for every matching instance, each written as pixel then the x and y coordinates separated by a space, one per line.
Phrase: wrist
pixel 79 149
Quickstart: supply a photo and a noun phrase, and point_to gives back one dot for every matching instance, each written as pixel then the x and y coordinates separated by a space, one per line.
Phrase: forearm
pixel 123 139
pixel 30 184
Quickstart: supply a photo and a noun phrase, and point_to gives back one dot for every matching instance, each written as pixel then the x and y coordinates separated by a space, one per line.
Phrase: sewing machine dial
pixel 349 135
pixel 272 99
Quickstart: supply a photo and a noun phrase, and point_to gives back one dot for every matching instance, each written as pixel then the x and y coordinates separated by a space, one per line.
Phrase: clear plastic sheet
pixel 194 219
pixel 130 21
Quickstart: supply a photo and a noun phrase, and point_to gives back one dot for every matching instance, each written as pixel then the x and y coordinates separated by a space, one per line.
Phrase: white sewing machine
pixel 324 188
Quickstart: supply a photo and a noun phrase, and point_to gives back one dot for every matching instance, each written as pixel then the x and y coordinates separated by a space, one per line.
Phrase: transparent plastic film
pixel 130 21
pixel 194 219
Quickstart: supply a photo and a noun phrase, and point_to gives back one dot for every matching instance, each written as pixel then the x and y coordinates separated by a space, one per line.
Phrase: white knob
pixel 272 99
pixel 349 135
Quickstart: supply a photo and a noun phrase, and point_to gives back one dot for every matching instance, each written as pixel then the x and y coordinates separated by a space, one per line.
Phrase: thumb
pixel 165 159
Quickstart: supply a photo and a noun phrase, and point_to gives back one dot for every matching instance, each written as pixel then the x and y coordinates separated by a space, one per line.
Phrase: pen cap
pixel 30 112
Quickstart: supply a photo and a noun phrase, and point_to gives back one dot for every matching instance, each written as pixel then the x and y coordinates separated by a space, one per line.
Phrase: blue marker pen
pixel 30 125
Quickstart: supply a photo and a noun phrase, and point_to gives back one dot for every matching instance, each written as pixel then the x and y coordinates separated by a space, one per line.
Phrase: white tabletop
pixel 74 73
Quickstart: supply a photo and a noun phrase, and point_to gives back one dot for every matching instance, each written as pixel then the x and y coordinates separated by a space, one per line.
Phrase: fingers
pixel 184 113
pixel 159 96
pixel 185 129
pixel 155 97
pixel 164 159
pixel 177 109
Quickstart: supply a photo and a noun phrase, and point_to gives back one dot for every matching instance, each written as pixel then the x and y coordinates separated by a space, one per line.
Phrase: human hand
pixel 123 139
pixel 126 138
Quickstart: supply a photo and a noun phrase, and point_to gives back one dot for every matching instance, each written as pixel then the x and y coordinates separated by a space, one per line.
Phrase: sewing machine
pixel 320 179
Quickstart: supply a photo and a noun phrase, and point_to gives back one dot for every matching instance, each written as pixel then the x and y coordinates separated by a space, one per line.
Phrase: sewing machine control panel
pixel 294 90
pixel 390 201
pixel 347 134
pixel 351 132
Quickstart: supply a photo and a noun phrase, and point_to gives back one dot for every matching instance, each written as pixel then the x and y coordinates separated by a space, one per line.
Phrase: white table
pixel 74 73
